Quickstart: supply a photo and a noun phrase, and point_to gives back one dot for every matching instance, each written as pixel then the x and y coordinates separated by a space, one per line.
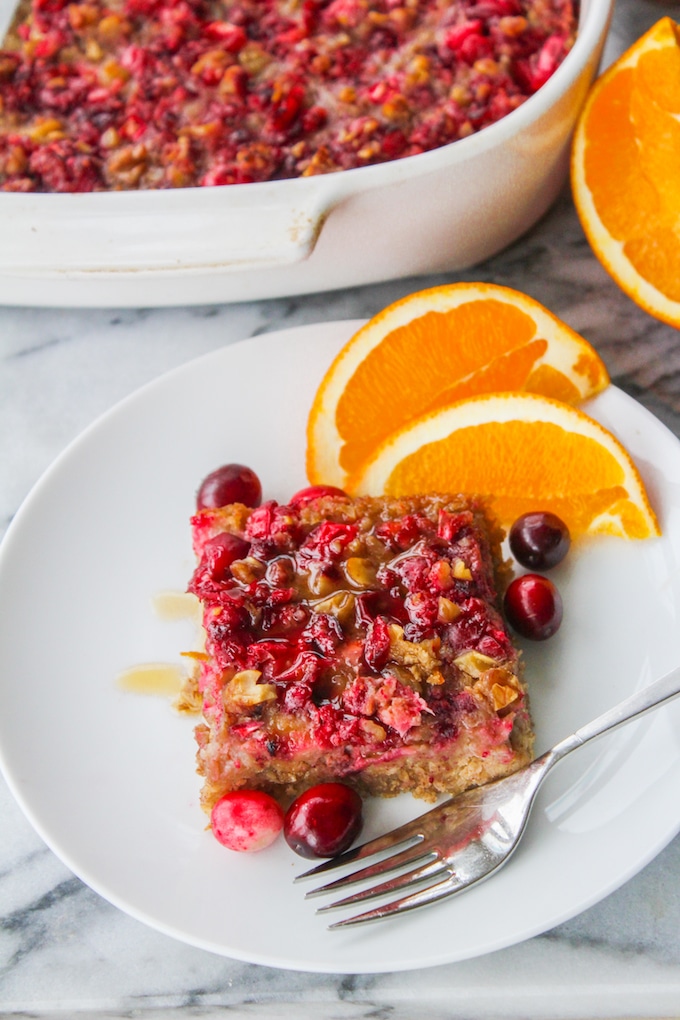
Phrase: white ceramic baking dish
pixel 440 211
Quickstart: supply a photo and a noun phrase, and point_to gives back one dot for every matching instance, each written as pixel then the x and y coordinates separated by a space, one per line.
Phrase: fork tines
pixel 412 846
pixel 411 832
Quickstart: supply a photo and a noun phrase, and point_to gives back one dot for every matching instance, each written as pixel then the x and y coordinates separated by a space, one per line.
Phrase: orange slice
pixel 525 452
pixel 625 171
pixel 431 349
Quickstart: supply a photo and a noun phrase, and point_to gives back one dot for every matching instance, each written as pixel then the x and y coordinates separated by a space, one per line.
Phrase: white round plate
pixel 107 777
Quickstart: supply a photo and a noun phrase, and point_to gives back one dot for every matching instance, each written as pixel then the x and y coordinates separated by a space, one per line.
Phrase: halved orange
pixel 430 349
pixel 625 171
pixel 524 452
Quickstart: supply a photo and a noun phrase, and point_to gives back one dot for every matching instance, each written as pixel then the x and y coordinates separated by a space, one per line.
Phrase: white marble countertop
pixel 64 951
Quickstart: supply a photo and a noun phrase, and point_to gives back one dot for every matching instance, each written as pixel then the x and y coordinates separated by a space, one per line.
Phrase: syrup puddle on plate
pixel 163 679
pixel 176 605
pixel 157 678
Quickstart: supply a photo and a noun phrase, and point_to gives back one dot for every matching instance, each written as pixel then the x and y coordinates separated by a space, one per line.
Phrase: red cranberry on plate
pixel 324 820
pixel 533 606
pixel 539 540
pixel 312 492
pixel 231 483
pixel 246 820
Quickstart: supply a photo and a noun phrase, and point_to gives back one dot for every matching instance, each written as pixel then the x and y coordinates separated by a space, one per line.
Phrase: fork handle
pixel 655 694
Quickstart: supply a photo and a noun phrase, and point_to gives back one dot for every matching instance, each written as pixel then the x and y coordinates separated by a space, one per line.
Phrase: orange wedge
pixel 626 171
pixel 431 349
pixel 525 452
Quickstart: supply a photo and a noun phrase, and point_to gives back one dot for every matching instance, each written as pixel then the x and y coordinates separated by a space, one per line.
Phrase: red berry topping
pixel 231 483
pixel 324 820
pixel 539 540
pixel 308 495
pixel 246 820
pixel 533 606
pixel 221 551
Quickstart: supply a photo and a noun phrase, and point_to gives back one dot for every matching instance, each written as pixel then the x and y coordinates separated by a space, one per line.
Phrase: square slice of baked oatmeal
pixel 355 639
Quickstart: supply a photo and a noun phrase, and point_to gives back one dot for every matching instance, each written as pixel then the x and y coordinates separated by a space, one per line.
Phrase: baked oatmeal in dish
pixel 354 639
pixel 128 94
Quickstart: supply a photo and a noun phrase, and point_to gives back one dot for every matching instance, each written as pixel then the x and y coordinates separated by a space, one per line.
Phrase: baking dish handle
pixel 164 231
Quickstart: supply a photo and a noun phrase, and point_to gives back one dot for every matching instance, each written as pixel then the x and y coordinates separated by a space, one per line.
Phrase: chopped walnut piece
pixel 244 689
pixel 112 27
pixel 418 71
pixel 396 108
pixel 361 571
pixel 16 161
pixel 512 25
pixel 373 730
pixel 500 687
pixel 253 58
pixel 81 15
pixel 211 65
pixel 475 664
pixel 93 51
pixel 503 695
pixel 460 95
pixel 347 94
pixel 202 131
pixel 7 67
pixel 487 66
pixel 340 605
pixel 189 700
pixel 442 575
pixel 46 129
pixel 231 82
pixel 321 163
pixel 110 139
pixel 111 71
pixel 419 655
pixel 128 163
pixel 461 571
pixel 401 19
pixel 369 151
pixel 320 583
pixel 447 611
pixel 248 570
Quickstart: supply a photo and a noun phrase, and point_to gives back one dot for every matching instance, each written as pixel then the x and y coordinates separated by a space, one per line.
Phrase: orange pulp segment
pixel 524 452
pixel 433 348
pixel 625 171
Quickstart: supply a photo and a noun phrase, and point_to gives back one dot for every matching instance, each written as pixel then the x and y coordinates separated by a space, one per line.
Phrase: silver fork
pixel 468 837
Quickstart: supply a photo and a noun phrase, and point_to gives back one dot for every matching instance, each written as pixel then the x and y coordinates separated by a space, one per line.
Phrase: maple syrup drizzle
pixel 176 605
pixel 162 679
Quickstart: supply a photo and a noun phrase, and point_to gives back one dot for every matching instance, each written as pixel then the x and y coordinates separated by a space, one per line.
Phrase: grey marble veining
pixel 66 952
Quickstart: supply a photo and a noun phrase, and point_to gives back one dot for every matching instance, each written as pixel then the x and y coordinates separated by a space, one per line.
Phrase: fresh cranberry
pixel 312 492
pixel 221 551
pixel 324 820
pixel 533 606
pixel 539 540
pixel 326 543
pixel 231 483
pixel 246 820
